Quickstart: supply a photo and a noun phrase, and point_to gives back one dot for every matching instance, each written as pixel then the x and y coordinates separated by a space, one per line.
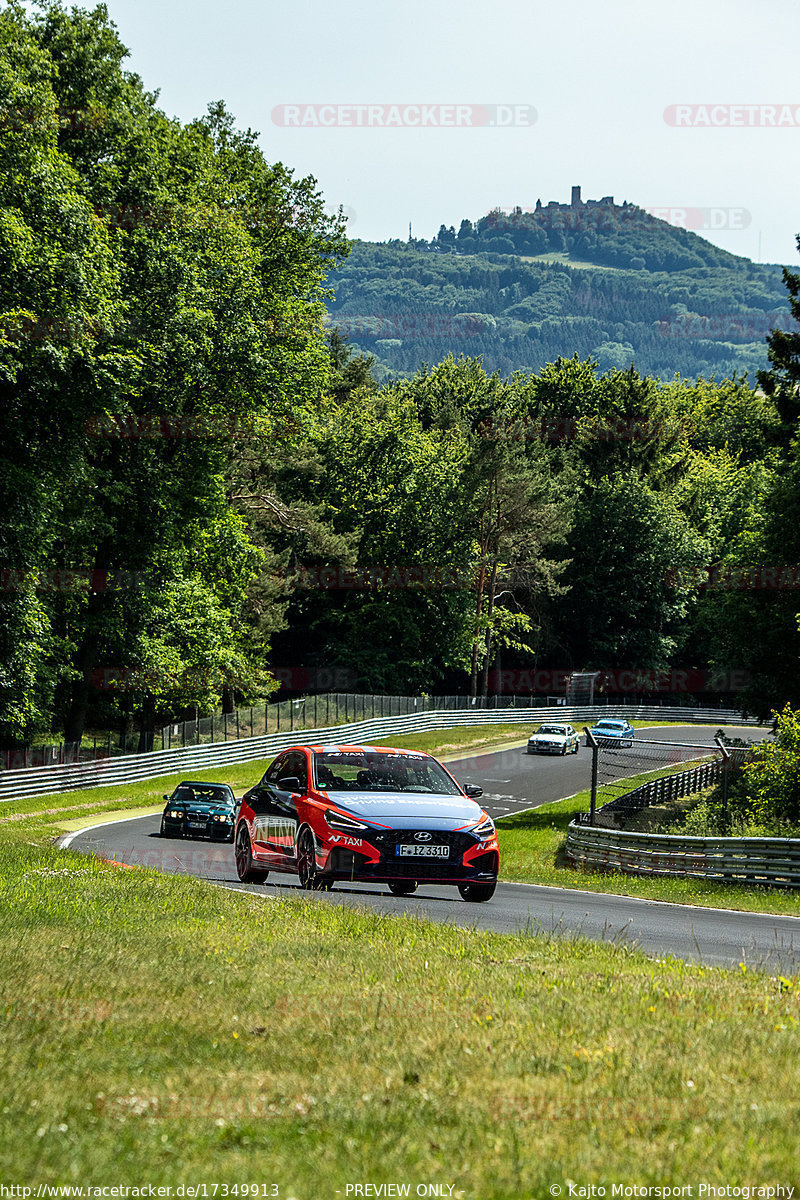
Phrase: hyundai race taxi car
pixel 553 739
pixel 197 809
pixel 328 813
pixel 612 732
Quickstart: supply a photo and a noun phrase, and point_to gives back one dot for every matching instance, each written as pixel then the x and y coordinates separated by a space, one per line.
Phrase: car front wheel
pixel 478 893
pixel 243 854
pixel 310 877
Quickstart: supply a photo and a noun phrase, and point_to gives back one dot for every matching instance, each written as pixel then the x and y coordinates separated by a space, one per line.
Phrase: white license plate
pixel 197 824
pixel 406 851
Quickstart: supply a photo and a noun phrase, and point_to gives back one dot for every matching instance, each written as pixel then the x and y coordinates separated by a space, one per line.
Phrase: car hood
pixel 411 807
pixel 603 732
pixel 547 737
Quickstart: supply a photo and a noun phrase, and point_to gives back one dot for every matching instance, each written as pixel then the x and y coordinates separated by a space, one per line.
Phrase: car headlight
pixel 174 812
pixel 485 829
pixel 345 824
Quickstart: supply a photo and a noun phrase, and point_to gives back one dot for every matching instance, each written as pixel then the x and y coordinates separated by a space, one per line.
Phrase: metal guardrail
pixel 774 861
pixel 47 781
pixel 604 846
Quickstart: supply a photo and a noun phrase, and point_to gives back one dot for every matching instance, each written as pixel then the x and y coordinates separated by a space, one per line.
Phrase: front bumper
pixel 199 826
pixel 468 861
pixel 546 748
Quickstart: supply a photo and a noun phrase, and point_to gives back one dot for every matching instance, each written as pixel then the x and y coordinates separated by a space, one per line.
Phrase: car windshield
pixel 610 725
pixel 554 729
pixel 202 793
pixel 379 771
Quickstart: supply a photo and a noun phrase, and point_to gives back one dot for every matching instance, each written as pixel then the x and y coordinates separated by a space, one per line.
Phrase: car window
pixel 296 765
pixel 552 729
pixel 277 770
pixel 215 795
pixel 377 771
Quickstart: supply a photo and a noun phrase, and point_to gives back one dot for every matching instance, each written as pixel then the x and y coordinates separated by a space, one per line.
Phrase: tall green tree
pixel 197 271
pixel 782 381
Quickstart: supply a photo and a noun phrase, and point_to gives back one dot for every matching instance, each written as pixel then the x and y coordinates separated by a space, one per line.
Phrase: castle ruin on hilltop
pixel 576 204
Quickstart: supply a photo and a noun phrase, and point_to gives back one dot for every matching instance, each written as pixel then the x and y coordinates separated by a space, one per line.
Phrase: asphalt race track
pixel 512 781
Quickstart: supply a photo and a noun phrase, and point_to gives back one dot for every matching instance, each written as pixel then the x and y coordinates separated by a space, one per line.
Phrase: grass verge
pixel 157 1030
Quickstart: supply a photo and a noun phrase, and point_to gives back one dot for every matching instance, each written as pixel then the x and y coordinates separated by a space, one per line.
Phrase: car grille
pixel 392 865
pixel 457 841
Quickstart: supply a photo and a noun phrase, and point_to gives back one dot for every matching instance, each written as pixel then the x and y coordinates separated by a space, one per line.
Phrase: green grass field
pixel 158 1030
pixel 155 1029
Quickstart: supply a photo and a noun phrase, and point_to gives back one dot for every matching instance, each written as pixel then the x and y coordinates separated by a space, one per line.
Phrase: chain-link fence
pixel 308 712
pixel 631 774
pixel 321 711
pixel 318 711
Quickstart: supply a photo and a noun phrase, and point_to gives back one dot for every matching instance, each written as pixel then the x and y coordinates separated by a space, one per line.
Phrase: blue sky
pixel 600 77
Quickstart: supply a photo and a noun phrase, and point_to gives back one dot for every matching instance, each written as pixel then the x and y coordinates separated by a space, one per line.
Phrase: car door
pixel 268 826
pixel 274 825
pixel 283 813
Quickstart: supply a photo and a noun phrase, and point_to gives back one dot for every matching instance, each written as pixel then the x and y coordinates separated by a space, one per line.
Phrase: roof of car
pixel 348 749
pixel 212 783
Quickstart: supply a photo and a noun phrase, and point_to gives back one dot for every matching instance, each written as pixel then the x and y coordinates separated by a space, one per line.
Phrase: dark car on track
pixel 613 732
pixel 397 817
pixel 200 809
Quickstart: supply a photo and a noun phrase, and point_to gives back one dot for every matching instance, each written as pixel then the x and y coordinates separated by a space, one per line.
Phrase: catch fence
pixel 197 756
pixel 595 840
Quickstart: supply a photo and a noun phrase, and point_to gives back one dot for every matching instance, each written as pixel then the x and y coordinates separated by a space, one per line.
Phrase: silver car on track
pixel 553 739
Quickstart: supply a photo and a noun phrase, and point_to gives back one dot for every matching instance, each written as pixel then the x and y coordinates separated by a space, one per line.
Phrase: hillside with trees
pixel 609 282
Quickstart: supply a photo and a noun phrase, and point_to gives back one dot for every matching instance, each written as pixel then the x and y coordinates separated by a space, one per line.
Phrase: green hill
pixel 601 280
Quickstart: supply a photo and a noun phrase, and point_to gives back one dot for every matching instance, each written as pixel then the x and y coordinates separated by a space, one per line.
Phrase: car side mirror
pixel 290 783
pixel 166 798
pixel 473 790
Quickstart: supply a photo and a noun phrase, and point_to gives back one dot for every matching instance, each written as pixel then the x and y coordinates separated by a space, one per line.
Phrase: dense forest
pixel 201 483
pixel 608 282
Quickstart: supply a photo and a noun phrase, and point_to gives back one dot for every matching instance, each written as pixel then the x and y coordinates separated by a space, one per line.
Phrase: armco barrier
pixel 185 760
pixel 774 861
